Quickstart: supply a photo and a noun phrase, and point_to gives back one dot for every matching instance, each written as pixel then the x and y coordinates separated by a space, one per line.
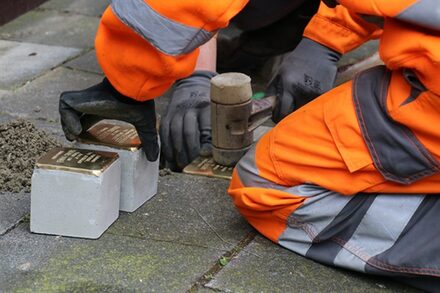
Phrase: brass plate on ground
pixel 112 135
pixel 203 166
pixel 77 160
pixel 207 167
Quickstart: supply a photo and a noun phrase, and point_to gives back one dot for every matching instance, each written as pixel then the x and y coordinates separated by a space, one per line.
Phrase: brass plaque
pixel 112 135
pixel 77 160
pixel 207 167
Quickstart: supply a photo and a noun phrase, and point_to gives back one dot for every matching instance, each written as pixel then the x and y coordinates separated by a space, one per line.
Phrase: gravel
pixel 21 144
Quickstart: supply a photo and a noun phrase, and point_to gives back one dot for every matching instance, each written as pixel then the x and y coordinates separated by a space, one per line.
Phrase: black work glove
pixel 185 131
pixel 307 72
pixel 81 109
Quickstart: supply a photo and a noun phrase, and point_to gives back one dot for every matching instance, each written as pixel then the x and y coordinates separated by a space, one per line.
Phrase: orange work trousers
pixel 321 183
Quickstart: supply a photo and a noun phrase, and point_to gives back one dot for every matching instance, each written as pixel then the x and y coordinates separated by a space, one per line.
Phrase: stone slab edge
pixel 14 209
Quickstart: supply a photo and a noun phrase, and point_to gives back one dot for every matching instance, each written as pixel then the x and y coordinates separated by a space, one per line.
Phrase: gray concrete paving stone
pixel 265 267
pixel 86 62
pixel 23 252
pixel 38 99
pixel 24 61
pixel 204 290
pixel 13 207
pixel 38 263
pixel 187 209
pixel 166 246
pixel 85 7
pixel 3 92
pixel 5 117
pixel 53 129
pixel 52 28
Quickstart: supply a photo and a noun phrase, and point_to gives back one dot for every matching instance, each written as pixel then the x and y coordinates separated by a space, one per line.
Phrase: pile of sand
pixel 20 145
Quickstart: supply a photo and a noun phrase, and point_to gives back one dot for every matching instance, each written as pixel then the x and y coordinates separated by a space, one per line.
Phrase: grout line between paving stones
pixel 81 52
pixel 218 266
pixel 81 70
pixel 24 219
pixel 174 241
pixel 61 65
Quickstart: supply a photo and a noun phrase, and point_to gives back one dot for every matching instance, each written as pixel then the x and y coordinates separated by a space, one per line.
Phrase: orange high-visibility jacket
pixel 143 46
pixel 409 45
pixel 409 38
pixel 345 180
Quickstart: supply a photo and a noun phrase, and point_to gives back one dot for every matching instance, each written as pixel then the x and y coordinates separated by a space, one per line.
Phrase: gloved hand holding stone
pixel 103 101
pixel 185 130
pixel 306 73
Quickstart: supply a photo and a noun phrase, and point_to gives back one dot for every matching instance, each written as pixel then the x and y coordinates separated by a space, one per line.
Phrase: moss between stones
pixel 88 268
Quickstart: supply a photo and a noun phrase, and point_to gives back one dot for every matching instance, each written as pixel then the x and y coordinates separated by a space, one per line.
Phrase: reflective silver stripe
pixel 380 228
pixel 165 35
pixel 295 239
pixel 416 251
pixel 317 212
pixel 425 13
pixel 348 260
pixel 319 209
pixel 249 175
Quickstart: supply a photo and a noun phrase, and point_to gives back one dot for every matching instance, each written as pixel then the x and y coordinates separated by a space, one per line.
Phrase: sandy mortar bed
pixel 20 145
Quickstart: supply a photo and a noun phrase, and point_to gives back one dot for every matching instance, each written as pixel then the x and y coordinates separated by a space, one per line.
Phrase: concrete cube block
pixel 75 192
pixel 139 177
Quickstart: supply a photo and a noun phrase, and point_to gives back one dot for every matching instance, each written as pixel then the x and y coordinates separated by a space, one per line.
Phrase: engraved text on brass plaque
pixel 77 160
pixel 112 135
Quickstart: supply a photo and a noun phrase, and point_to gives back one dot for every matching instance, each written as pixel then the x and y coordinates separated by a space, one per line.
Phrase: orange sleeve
pixel 144 46
pixel 386 8
pixel 423 13
pixel 340 29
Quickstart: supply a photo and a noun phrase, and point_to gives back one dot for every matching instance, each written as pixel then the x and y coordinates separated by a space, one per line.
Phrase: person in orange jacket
pixel 352 178
pixel 144 47
pixel 261 30
pixel 344 179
